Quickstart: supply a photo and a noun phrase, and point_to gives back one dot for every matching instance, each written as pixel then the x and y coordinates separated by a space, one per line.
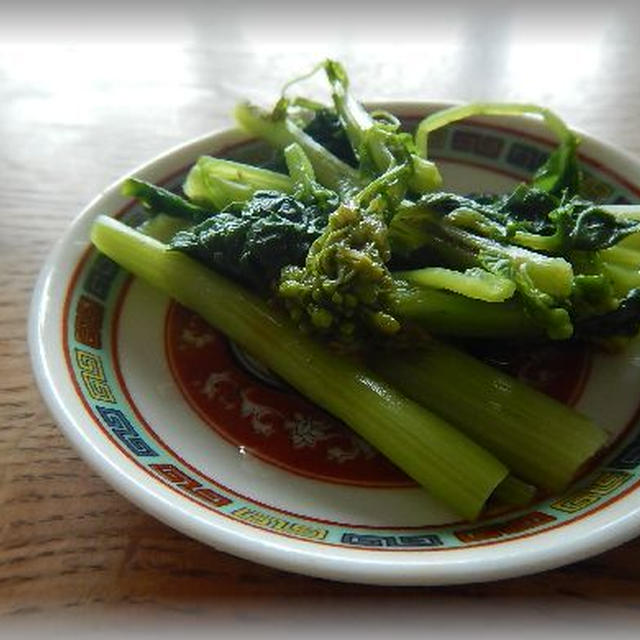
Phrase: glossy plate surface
pixel 198 434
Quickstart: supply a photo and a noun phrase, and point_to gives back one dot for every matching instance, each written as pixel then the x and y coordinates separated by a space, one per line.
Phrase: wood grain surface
pixel 84 100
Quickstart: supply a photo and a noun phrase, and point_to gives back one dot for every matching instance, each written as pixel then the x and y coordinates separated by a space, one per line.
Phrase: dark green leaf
pixel 326 129
pixel 595 229
pixel 561 173
pixel 252 241
pixel 624 321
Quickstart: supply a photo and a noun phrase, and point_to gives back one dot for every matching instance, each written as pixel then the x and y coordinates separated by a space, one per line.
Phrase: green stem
pixel 514 491
pixel 541 440
pixel 451 314
pixel 368 136
pixel 622 255
pixel 163 227
pixel 217 183
pixel 461 112
pixel 472 283
pixel 159 200
pixel 299 167
pixel 355 119
pixel 551 275
pixel 254 177
pixel 623 278
pixel 417 226
pixel 280 133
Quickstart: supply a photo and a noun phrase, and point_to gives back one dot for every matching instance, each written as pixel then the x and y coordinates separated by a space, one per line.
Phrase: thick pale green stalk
pixel 622 277
pixel 622 261
pixel 280 133
pixel 630 242
pixel 541 440
pixel 217 182
pixel 163 227
pixel 514 491
pixel 549 274
pixel 473 283
pixel 355 119
pixel 254 177
pixel 450 465
pixel 417 226
pixel 299 166
pixel 212 191
pixel 623 255
pixel 451 314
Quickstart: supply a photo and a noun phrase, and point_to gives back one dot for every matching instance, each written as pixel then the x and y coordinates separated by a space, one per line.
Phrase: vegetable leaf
pixel 624 321
pixel 561 173
pixel 252 241
pixel 326 129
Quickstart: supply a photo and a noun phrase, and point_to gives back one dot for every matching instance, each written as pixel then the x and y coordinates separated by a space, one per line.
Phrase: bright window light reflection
pixel 75 80
pixel 376 68
pixel 542 67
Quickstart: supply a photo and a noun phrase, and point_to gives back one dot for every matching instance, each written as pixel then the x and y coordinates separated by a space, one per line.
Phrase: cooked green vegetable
pixel 352 241
pixel 562 257
pixel 158 200
pixel 559 174
pixel 474 283
pixel 534 219
pixel 444 313
pixel 545 441
pixel 452 467
pixel 281 132
pixel 542 282
pixel 344 287
pixel 378 142
pixel 254 235
pixel 252 241
pixel 216 183
pixel 326 129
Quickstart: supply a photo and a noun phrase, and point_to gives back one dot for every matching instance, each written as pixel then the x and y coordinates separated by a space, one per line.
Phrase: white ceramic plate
pixel 200 436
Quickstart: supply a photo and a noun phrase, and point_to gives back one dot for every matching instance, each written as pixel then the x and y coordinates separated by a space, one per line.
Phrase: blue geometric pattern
pixel 124 431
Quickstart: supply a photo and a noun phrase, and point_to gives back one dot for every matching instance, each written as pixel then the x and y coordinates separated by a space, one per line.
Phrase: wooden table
pixel 83 102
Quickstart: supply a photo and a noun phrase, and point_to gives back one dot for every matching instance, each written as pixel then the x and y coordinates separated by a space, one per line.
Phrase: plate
pixel 204 438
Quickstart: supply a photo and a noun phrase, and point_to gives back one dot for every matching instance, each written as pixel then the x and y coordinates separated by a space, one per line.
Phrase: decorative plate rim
pixel 612 525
